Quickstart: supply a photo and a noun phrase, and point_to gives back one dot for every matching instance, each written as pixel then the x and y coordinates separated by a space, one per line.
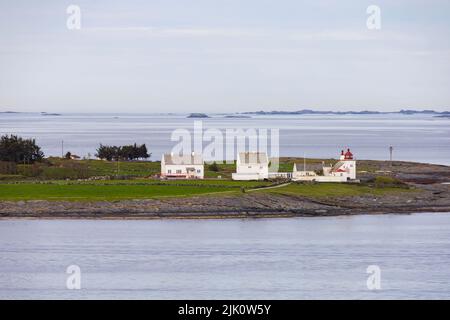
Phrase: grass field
pixel 321 190
pixel 110 190
pixel 110 168
pixel 87 192
pixel 181 182
pixel 119 189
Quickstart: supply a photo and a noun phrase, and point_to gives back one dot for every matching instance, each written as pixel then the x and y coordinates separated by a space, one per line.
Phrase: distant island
pixel 364 112
pixel 50 114
pixel 198 115
pixel 237 116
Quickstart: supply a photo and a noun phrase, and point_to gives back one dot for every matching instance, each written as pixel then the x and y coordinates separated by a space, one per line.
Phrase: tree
pixel 108 152
pixel 143 152
pixel 213 167
pixel 128 152
pixel 68 155
pixel 19 150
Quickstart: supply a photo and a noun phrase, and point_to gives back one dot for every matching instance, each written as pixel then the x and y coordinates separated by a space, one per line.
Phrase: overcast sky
pixel 223 55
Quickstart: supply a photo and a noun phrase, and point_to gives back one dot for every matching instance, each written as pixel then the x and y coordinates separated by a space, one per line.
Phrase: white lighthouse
pixel 345 168
pixel 342 171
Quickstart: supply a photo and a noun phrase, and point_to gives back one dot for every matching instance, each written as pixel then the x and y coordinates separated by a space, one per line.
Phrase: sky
pixel 223 56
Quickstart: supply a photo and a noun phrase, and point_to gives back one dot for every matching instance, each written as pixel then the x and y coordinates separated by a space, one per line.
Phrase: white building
pixel 251 166
pixel 344 170
pixel 182 167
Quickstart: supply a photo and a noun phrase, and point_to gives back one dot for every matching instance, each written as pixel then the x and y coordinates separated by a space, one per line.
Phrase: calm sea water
pixel 230 259
pixel 422 138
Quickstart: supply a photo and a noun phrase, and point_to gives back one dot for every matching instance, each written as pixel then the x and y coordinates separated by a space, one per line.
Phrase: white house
pixel 344 170
pixel 251 166
pixel 182 167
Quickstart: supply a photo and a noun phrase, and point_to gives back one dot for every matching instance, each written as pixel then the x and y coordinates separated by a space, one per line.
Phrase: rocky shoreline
pixel 429 183
pixel 426 198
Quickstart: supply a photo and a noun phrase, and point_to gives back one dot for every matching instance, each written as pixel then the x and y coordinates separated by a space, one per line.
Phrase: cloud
pixel 181 32
pixel 287 34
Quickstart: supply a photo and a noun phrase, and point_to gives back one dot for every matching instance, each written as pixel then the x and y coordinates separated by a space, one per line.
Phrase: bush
pixel 56 173
pixel 4 177
pixel 29 170
pixel 213 167
pixel 7 167
pixel 384 181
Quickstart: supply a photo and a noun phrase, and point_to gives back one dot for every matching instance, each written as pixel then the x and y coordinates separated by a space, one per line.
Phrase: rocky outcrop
pixel 429 198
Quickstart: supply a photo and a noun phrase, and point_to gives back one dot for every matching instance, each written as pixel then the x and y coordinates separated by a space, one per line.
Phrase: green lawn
pixel 181 182
pixel 126 168
pixel 119 189
pixel 320 190
pixel 101 192
pixel 142 189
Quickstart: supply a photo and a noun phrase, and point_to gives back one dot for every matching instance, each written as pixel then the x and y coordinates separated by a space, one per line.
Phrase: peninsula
pixel 397 187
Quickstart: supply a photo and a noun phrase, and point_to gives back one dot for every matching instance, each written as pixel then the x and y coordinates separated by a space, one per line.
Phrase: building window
pixel 178 171
pixel 198 170
pixel 169 171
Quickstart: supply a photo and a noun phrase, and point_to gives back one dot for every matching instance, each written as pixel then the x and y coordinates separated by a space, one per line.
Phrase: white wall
pixel 169 169
pixel 259 169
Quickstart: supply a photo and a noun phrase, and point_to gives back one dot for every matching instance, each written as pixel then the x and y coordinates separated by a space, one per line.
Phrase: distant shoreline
pixel 364 112
pixel 261 112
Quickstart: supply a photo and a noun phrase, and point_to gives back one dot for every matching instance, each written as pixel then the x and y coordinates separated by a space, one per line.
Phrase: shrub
pixel 29 170
pixel 7 167
pixel 56 173
pixel 4 177
pixel 213 167
pixel 382 181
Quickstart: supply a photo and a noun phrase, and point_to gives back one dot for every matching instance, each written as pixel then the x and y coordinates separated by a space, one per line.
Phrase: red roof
pixel 348 155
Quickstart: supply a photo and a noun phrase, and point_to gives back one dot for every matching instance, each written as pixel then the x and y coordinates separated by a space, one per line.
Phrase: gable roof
pixel 253 158
pixel 176 159
pixel 337 167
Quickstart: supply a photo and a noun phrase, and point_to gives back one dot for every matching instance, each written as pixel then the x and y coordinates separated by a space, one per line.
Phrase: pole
pixel 118 168
pixel 62 148
pixel 304 162
pixel 391 149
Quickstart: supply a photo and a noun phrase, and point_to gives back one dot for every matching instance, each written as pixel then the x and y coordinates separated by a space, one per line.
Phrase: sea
pixel 417 137
pixel 357 257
